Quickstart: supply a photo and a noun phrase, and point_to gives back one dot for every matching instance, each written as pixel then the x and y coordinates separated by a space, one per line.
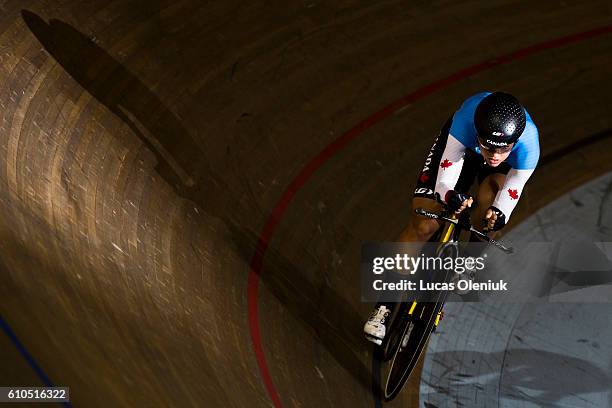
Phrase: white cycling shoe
pixel 375 328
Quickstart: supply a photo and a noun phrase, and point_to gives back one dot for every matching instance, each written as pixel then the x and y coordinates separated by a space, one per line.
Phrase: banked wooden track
pixel 144 144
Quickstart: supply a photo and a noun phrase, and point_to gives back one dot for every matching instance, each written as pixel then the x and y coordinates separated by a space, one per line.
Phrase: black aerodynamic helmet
pixel 499 120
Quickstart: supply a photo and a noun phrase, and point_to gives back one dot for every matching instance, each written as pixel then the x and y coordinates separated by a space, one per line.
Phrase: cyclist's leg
pixel 417 232
pixel 420 228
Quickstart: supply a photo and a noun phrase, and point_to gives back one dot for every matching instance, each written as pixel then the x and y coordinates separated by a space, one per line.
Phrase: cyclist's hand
pixel 494 219
pixel 458 202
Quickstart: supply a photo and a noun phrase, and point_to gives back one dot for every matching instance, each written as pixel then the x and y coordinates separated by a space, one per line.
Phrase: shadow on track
pixel 180 160
pixel 182 164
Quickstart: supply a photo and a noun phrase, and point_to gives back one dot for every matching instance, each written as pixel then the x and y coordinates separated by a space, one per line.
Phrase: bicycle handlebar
pixel 425 213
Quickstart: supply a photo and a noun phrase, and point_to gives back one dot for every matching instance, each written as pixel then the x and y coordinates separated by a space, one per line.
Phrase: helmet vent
pixel 499 117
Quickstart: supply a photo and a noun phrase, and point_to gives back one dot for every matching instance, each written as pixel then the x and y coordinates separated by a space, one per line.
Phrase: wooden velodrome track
pixel 145 145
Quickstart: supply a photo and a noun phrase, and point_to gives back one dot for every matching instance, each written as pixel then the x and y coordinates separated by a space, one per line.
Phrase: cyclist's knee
pixel 424 228
pixel 420 228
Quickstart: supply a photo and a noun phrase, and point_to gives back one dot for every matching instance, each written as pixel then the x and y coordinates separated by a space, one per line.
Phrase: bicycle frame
pixel 448 231
pixel 429 313
pixel 456 221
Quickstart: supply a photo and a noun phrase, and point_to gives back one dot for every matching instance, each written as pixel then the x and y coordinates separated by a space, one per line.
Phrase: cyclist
pixel 492 138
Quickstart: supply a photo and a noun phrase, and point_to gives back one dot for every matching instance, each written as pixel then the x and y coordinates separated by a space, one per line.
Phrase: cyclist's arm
pixel 525 162
pixel 508 196
pixel 450 166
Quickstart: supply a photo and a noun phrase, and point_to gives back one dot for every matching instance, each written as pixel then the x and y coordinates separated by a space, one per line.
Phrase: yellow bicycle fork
pixel 413 307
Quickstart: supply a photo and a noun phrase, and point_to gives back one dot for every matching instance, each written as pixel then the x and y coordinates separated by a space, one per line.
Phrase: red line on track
pixel 316 162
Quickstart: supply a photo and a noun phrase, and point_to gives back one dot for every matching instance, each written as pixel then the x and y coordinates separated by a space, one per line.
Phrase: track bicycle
pixel 414 321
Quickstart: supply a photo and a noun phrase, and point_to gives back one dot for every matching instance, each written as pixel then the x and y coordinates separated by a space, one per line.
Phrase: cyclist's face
pixel 494 157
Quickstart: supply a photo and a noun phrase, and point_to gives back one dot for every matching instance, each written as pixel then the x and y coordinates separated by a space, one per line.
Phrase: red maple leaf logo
pixel 424 177
pixel 513 194
pixel 446 164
